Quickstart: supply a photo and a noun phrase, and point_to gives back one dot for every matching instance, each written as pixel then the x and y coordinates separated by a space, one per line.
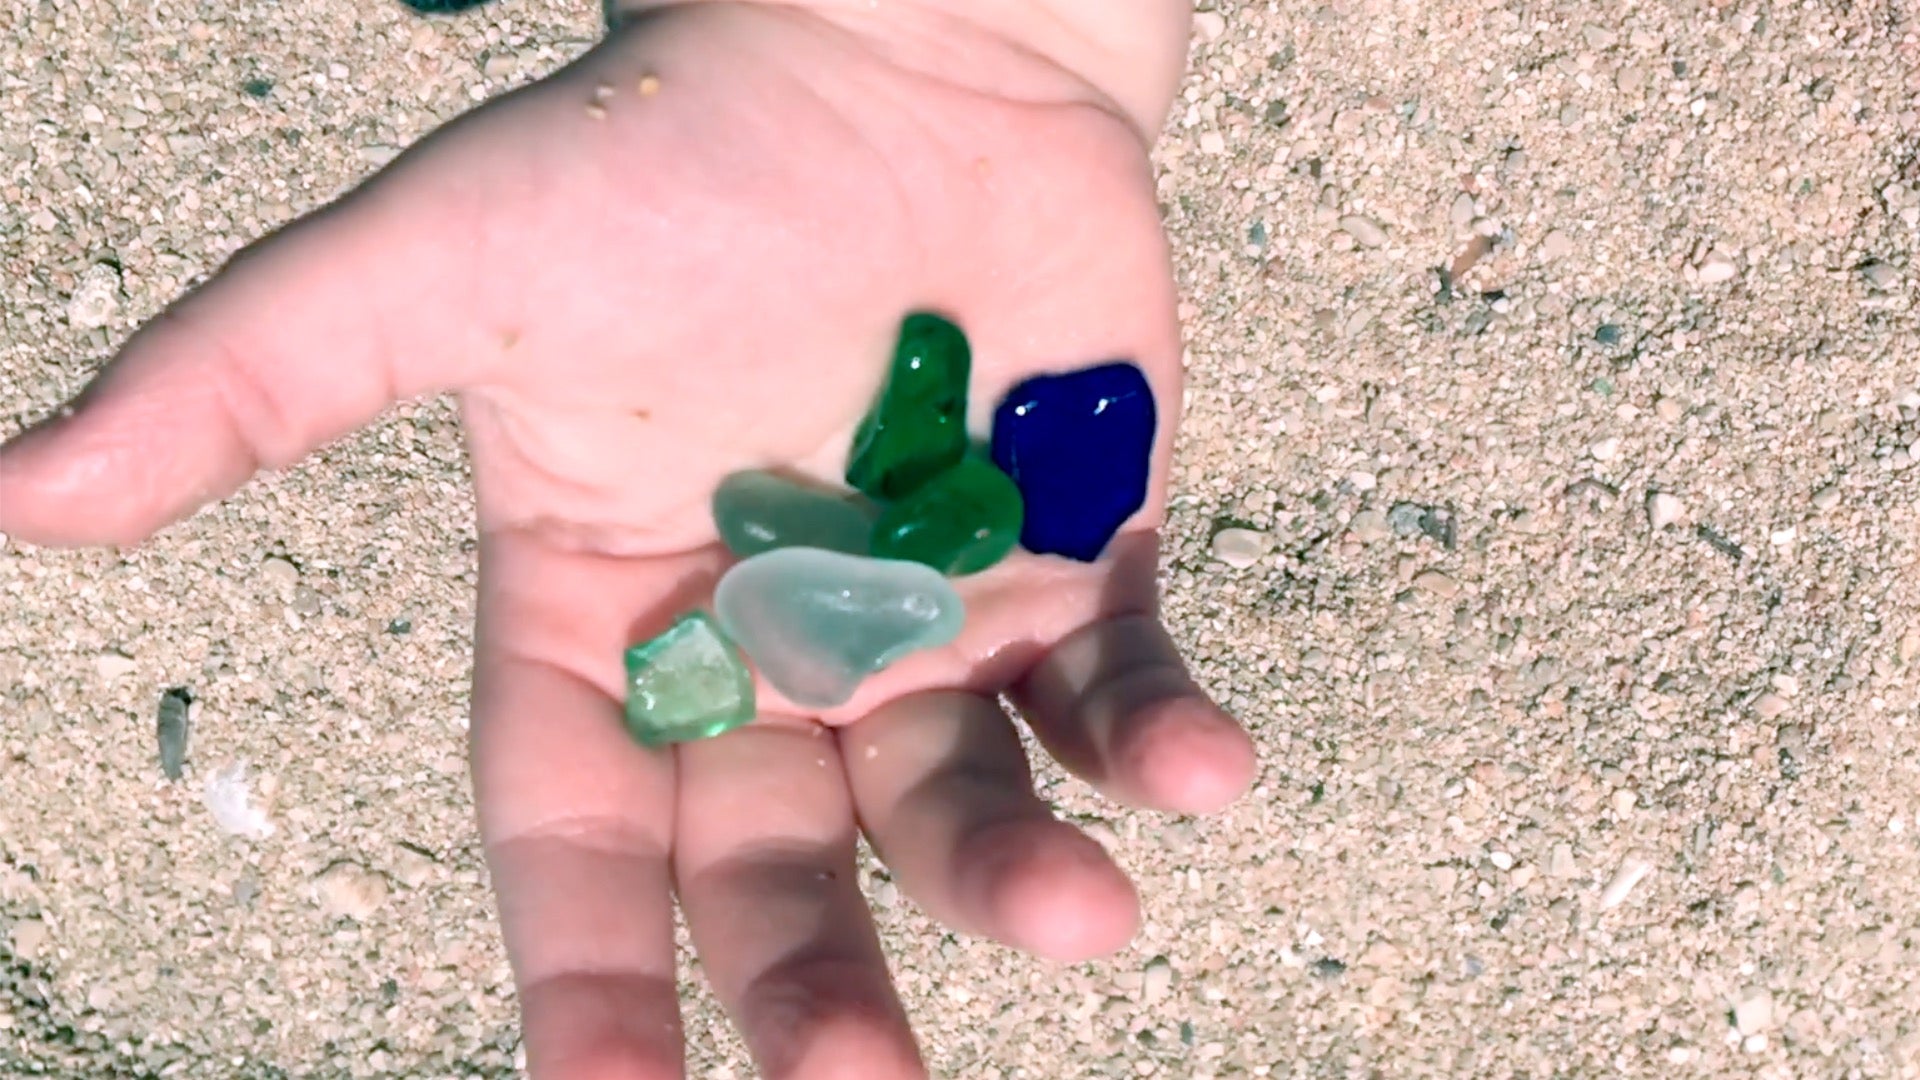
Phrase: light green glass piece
pixel 817 623
pixel 688 683
pixel 761 511
pixel 919 424
pixel 960 522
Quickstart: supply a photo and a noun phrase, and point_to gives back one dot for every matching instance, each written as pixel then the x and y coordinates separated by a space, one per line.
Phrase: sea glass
pixel 918 425
pixel 760 511
pixel 1079 446
pixel 960 522
pixel 817 623
pixel 688 683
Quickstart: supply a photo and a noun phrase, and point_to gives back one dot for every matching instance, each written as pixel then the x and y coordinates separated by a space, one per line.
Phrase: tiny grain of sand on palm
pixel 1547 505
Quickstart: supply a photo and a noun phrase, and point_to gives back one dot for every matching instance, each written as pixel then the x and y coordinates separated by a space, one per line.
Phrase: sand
pixel 1562 379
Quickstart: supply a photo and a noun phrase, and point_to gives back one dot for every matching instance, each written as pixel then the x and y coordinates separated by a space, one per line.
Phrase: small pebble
pixel 1501 860
pixel 1365 231
pixel 1555 246
pixel 1462 213
pixel 1407 519
pixel 171 730
pixel 1605 450
pixel 1716 269
pixel 1368 526
pixel 1211 25
pixel 1826 498
pixel 1879 275
pixel 1437 583
pixel 1156 980
pixel 279 572
pixel 1239 548
pixel 1560 862
pixel 649 85
pixel 1769 705
pixel 1753 1011
pixel 1631 871
pixel 1664 509
pixel 96 298
pixel 113 665
pixel 29 939
pixel 1607 334
pixel 348 890
pixel 1754 1044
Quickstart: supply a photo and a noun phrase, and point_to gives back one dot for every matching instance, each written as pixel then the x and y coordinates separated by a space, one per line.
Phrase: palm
pixel 711 281
pixel 632 305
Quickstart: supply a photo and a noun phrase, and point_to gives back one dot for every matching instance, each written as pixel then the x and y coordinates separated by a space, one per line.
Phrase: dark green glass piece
pixel 918 427
pixel 960 522
pixel 688 683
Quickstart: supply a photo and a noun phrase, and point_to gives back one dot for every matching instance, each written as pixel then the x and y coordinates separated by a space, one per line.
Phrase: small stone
pixel 114 665
pixel 1879 275
pixel 279 572
pixel 1606 449
pixel 687 683
pixel 1624 800
pixel 1669 410
pixel 1632 870
pixel 1461 213
pixel 1754 1044
pixel 1753 1011
pixel 1156 979
pixel 1369 526
pixel 96 297
pixel 1407 519
pixel 817 623
pixel 649 85
pixel 347 890
pixel 961 522
pixel 1769 705
pixel 1554 246
pixel 1239 548
pixel 1826 498
pixel 413 866
pixel 1079 447
pixel 1560 862
pixel 1716 269
pixel 1211 25
pixel 760 511
pixel 1607 334
pixel 1365 231
pixel 1501 860
pixel 171 730
pixel 1212 142
pixel 918 427
pixel 29 939
pixel 1437 583
pixel 1664 509
pixel 228 798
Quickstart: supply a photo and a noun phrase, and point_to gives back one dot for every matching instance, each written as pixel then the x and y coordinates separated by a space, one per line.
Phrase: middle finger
pixel 764 864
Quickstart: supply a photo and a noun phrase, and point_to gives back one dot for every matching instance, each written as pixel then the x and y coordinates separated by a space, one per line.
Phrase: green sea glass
pixel 918 426
pixel 688 683
pixel 960 522
pixel 760 511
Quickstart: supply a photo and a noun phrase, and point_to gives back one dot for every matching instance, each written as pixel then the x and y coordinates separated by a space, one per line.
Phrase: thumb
pixel 302 337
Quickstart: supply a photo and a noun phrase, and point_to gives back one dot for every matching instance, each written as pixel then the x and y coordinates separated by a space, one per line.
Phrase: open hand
pixel 684 255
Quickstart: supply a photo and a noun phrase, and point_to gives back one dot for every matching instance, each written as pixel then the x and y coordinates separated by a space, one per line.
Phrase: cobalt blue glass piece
pixel 1078 446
